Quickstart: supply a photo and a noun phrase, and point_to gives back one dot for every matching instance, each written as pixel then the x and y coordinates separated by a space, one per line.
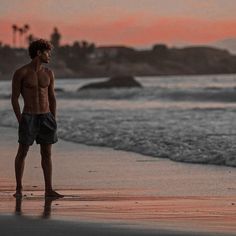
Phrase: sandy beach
pixel 111 192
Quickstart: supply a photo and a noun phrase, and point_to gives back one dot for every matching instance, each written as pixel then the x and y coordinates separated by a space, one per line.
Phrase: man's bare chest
pixel 36 80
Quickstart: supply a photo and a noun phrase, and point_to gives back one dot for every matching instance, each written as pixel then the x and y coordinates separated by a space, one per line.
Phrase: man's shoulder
pixel 49 71
pixel 21 70
pixel 46 69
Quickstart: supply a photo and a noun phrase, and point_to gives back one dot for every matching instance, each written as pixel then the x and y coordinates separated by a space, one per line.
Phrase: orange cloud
pixel 132 29
pixel 135 31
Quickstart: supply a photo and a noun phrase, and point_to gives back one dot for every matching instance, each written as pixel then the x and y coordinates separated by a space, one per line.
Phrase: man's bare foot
pixel 53 194
pixel 18 194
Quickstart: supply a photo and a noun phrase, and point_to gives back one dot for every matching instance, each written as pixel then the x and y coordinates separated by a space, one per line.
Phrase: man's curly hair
pixel 41 45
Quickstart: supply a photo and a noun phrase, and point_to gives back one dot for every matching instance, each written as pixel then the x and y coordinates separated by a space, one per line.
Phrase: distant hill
pixel 229 44
pixel 73 62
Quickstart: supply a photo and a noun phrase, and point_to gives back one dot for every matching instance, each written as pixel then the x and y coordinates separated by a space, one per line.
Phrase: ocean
pixel 183 118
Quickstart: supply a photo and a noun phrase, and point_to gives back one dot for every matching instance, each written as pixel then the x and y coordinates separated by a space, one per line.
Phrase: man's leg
pixel 19 168
pixel 46 162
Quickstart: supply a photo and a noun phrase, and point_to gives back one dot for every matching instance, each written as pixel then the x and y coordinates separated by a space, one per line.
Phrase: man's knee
pixel 22 151
pixel 45 151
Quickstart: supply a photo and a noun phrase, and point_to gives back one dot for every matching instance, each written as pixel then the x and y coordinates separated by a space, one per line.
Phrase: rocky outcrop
pixel 114 82
pixel 59 90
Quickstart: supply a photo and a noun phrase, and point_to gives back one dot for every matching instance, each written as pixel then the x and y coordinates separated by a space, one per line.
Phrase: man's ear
pixel 39 53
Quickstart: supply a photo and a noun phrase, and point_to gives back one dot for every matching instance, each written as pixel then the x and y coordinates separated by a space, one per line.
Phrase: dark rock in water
pixel 5 96
pixel 114 82
pixel 59 90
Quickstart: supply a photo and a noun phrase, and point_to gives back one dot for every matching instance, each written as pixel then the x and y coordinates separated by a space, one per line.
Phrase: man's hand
pixel 19 118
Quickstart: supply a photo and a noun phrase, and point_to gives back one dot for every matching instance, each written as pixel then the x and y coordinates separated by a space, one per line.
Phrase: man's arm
pixel 51 94
pixel 16 90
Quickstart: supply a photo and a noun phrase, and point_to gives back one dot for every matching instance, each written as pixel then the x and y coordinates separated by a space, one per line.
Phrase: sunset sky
pixel 139 23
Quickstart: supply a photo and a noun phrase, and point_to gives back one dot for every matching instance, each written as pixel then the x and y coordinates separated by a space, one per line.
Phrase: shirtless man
pixel 37 121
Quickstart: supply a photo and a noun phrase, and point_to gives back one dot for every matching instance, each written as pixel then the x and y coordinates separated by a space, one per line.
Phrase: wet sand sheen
pixel 216 214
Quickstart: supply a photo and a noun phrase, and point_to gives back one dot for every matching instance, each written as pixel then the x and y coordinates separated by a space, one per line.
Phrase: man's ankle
pixel 19 189
pixel 48 190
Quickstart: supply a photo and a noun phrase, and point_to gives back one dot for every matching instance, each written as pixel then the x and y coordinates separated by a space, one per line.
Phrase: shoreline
pixel 5 77
pixel 120 188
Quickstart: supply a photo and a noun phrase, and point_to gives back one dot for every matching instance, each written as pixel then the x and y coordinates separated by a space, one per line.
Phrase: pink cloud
pixel 133 31
pixel 136 29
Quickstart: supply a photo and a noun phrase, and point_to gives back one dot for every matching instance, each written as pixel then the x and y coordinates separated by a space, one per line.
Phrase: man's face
pixel 45 56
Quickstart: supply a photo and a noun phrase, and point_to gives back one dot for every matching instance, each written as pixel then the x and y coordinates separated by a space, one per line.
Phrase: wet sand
pixel 116 192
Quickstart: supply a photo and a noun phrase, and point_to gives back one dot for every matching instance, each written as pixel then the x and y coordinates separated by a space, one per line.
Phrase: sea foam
pixel 194 135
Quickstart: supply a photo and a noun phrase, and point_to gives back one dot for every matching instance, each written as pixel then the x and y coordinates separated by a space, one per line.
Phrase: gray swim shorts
pixel 39 127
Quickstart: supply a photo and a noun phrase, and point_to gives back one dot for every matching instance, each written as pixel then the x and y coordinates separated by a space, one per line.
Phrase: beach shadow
pixel 46 210
pixel 18 211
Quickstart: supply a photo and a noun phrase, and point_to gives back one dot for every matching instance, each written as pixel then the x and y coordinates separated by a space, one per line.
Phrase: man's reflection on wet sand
pixel 18 210
pixel 46 211
pixel 47 207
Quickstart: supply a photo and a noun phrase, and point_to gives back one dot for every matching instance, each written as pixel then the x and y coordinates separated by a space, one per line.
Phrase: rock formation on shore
pixel 114 82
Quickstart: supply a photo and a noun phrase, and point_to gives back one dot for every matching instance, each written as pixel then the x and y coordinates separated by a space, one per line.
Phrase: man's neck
pixel 36 65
